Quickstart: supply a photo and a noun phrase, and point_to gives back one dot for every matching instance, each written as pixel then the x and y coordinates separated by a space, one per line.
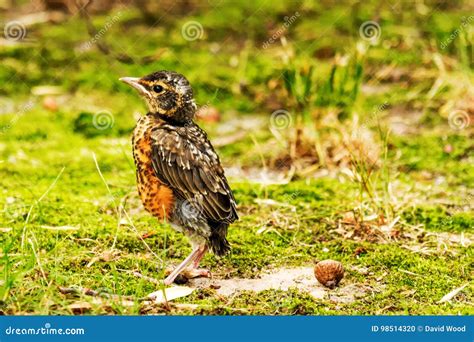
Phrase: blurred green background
pixel 345 128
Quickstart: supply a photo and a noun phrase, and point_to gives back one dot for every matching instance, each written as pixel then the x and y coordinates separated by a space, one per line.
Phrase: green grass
pixel 49 177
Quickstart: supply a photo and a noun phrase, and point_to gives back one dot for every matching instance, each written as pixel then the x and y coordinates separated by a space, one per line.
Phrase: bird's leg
pixel 170 279
pixel 194 271
pixel 202 252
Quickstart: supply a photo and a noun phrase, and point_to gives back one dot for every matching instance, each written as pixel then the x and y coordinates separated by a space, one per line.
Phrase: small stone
pixel 50 104
pixel 448 148
pixel 329 273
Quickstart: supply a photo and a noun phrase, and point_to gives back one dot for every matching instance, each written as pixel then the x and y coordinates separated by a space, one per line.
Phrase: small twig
pixel 452 294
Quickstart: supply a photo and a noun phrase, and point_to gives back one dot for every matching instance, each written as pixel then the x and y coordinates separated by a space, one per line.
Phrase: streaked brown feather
pixel 193 172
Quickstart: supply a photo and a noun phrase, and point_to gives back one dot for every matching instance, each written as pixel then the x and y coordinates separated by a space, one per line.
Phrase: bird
pixel 179 175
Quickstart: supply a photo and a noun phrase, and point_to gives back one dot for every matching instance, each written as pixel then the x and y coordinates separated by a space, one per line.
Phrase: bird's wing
pixel 184 159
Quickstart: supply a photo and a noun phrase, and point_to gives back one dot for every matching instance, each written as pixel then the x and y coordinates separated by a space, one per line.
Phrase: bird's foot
pixel 192 273
pixel 187 273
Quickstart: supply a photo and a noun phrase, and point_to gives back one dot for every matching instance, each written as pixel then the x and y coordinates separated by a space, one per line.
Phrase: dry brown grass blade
pixel 449 296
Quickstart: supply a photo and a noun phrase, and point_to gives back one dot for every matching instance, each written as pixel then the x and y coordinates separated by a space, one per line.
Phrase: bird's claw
pixel 187 273
pixel 192 273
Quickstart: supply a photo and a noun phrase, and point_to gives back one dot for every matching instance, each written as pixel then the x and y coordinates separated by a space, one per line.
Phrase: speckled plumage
pixel 179 175
pixel 180 179
pixel 157 198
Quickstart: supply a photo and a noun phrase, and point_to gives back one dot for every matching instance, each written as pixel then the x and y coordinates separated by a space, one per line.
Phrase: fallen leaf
pixel 171 293
pixel 80 307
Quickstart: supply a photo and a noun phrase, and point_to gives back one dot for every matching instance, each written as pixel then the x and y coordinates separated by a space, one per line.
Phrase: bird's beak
pixel 133 81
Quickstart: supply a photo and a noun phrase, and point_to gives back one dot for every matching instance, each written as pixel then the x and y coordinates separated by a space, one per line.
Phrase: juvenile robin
pixel 179 175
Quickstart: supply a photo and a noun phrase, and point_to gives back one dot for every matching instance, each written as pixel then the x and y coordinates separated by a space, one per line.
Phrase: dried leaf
pixel 80 307
pixel 171 293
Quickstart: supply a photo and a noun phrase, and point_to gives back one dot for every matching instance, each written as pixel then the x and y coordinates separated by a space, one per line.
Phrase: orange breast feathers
pixel 157 198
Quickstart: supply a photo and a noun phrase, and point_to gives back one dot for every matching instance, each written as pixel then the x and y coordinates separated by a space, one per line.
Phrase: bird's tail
pixel 218 241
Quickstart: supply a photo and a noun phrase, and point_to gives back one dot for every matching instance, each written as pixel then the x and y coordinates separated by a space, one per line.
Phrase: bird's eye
pixel 158 88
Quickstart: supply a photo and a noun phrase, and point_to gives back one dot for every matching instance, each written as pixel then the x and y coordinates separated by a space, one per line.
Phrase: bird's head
pixel 167 94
